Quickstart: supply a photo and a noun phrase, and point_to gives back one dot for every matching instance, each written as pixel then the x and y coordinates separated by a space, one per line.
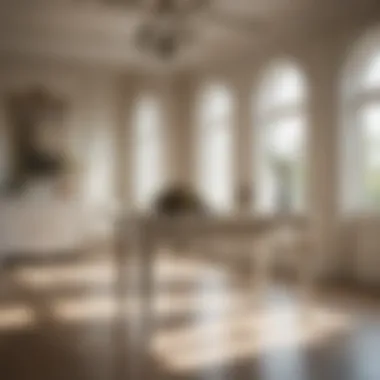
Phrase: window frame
pixel 264 117
pixel 357 94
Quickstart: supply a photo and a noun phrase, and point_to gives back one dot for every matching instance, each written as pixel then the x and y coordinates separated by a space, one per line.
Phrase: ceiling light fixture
pixel 165 32
pixel 168 26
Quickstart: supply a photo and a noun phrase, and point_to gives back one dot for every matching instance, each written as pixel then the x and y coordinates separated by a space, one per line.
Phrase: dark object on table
pixel 178 201
pixel 244 197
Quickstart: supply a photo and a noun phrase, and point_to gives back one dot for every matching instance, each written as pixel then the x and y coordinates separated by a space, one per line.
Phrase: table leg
pixel 147 244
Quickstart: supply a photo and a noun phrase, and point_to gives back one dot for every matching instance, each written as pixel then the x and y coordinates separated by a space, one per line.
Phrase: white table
pixel 146 234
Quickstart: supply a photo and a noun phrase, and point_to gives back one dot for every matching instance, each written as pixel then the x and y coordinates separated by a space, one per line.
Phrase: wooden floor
pixel 61 321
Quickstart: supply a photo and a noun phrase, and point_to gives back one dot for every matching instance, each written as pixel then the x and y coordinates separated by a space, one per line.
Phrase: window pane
pixel 283 165
pixel 370 122
pixel 284 85
pixel 147 163
pixel 360 137
pixel 371 76
pixel 280 181
pixel 285 138
pixel 215 105
pixel 214 157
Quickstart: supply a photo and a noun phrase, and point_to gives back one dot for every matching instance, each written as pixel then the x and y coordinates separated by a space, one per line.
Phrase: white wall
pixel 90 119
pixel 90 124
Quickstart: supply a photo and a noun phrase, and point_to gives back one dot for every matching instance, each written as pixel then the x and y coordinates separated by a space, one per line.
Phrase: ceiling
pixel 98 32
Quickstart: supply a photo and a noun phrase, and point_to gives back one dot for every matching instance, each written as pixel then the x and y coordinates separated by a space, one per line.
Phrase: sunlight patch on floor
pixel 15 317
pixel 85 309
pixel 50 276
pixel 243 337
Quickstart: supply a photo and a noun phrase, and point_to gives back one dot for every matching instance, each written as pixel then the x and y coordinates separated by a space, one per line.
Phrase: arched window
pixel 147 146
pixel 361 127
pixel 280 140
pixel 214 148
